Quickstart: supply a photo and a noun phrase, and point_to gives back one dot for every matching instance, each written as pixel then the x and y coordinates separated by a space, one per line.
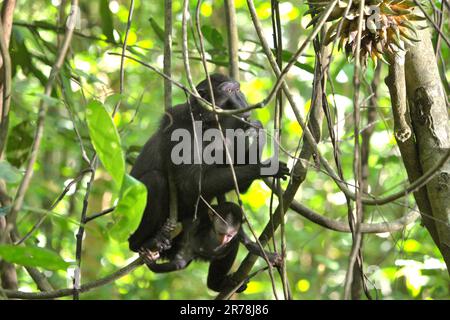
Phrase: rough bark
pixel 406 141
pixel 429 116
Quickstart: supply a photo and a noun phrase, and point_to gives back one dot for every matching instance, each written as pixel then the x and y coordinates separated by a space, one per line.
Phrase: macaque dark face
pixel 232 98
pixel 226 233
pixel 227 93
pixel 225 226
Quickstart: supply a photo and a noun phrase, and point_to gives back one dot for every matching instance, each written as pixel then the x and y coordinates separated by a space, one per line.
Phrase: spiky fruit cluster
pixel 388 25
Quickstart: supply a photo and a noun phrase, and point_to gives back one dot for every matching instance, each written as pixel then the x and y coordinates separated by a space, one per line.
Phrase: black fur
pixel 154 161
pixel 199 241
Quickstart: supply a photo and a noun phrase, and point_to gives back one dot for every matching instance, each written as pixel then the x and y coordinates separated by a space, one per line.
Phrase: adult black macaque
pixel 215 240
pixel 154 161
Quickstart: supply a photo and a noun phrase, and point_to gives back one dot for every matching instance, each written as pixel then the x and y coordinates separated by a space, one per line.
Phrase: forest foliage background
pixel 401 265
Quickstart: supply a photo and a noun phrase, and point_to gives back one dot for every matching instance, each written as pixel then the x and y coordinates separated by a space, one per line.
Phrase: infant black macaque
pixel 215 240
pixel 155 160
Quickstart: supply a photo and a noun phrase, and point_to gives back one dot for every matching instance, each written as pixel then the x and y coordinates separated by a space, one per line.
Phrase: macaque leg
pixel 173 265
pixel 163 239
pixel 218 278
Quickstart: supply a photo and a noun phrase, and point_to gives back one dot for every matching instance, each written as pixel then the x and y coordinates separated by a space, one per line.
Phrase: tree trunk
pixel 7 270
pixel 429 117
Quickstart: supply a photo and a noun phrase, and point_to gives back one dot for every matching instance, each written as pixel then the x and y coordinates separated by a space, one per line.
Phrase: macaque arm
pixel 215 180
pixel 255 249
pixel 218 277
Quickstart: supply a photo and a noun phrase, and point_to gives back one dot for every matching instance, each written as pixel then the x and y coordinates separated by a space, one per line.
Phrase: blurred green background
pixel 401 265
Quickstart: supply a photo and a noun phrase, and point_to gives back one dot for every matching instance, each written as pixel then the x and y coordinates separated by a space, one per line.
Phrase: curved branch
pixel 83 288
pixel 342 226
pixel 99 214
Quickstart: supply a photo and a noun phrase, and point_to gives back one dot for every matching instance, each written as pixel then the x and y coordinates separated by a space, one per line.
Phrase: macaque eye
pixel 229 90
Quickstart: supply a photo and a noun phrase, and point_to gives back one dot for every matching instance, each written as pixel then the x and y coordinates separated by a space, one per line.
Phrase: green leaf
pixel 65 76
pixel 128 212
pixel 9 173
pixel 33 257
pixel 90 77
pixel 19 143
pixel 213 36
pixel 410 245
pixel 106 20
pixel 157 29
pixel 286 57
pixel 111 101
pixel 24 58
pixel 106 140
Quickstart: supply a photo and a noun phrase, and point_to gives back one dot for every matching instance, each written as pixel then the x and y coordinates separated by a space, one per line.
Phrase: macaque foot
pixel 148 256
pixel 275 259
pixel 403 134
pixel 233 283
pixel 159 243
pixel 162 241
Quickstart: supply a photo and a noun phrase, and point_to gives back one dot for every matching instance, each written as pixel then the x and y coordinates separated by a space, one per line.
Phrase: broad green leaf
pixel 106 20
pixel 111 101
pixel 128 212
pixel 286 57
pixel 9 173
pixel 106 140
pixel 24 58
pixel 410 245
pixel 157 29
pixel 65 76
pixel 20 139
pixel 33 257
pixel 90 77
pixel 213 36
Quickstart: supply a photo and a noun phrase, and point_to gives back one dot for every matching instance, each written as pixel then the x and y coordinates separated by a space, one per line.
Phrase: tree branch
pixel 69 291
pixel 233 39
